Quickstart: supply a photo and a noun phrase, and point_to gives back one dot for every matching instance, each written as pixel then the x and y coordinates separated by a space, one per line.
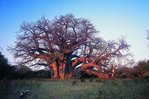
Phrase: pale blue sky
pixel 113 18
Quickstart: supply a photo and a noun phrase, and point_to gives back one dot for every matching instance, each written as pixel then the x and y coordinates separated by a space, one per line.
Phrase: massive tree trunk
pixel 68 67
pixel 62 67
pixel 55 70
pixel 61 70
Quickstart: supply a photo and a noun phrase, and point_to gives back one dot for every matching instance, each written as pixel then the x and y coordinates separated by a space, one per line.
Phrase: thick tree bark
pixel 88 65
pixel 62 68
pixel 98 74
pixel 55 70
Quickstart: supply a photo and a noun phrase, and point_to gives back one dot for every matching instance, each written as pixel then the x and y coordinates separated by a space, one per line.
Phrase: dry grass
pixel 57 89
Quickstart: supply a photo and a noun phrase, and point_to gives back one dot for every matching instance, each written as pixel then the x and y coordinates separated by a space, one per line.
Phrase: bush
pixel 99 79
pixel 126 72
pixel 4 67
pixel 142 69
pixel 82 80
pixel 74 82
pixel 90 79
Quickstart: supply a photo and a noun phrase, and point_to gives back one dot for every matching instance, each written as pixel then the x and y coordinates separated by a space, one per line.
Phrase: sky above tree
pixel 113 19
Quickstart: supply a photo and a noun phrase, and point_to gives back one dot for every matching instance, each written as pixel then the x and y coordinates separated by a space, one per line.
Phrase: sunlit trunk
pixel 55 70
pixel 61 70
pixel 98 74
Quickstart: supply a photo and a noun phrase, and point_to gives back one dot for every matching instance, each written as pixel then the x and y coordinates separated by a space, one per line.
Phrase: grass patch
pixel 58 89
pixel 52 89
pixel 4 87
pixel 124 89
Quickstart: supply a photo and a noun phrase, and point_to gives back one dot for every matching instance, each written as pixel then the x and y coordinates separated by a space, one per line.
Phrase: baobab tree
pixel 55 43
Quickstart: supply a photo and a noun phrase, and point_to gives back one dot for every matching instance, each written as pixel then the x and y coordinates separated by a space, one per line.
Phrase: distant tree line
pixel 141 70
pixel 26 73
pixel 13 72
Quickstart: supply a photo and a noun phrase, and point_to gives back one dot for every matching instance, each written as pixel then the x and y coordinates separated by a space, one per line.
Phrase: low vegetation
pixel 51 89
pixel 124 89
pixel 63 89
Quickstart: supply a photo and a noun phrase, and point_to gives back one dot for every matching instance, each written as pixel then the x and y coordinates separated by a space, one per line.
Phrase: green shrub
pixel 91 79
pixel 99 79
